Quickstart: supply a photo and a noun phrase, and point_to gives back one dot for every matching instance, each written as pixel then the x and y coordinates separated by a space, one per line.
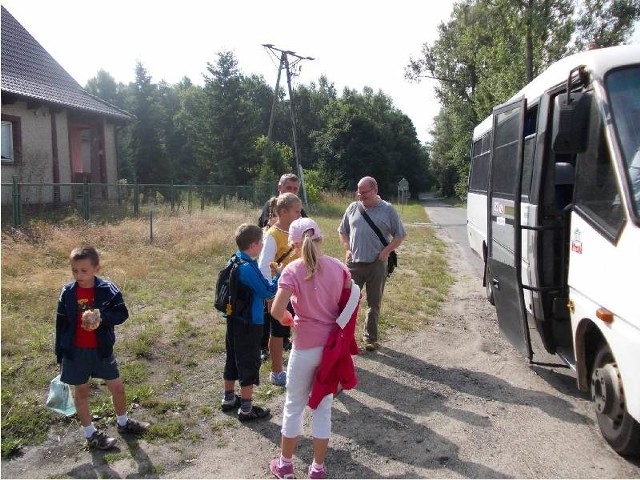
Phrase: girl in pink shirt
pixel 313 284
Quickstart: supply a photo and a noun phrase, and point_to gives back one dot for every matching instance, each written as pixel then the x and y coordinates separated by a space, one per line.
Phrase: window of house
pixel 10 139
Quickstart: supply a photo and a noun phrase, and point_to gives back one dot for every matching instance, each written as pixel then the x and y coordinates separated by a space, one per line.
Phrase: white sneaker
pixel 278 379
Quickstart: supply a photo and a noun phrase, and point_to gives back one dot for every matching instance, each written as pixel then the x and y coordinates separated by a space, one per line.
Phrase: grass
pixel 171 349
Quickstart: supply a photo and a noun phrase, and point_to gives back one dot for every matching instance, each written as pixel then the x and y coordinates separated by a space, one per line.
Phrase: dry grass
pixel 171 349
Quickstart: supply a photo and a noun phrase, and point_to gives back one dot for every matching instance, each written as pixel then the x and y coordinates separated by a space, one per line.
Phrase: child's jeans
pixel 300 373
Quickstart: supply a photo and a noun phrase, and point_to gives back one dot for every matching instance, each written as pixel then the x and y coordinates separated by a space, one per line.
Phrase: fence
pixel 24 202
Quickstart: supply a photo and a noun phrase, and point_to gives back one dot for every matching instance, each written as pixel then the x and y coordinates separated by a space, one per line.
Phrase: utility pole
pixel 288 66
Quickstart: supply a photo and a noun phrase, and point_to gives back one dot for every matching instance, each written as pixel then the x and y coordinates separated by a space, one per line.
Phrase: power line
pixel 288 66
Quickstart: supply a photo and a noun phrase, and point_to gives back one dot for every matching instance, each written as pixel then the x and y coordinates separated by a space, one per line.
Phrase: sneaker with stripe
pixel 281 471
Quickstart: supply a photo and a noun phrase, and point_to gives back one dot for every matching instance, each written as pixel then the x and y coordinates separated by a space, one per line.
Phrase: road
pixel 452 222
pixel 558 436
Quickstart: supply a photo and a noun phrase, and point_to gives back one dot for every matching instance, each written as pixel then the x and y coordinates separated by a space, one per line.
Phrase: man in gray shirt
pixel 366 256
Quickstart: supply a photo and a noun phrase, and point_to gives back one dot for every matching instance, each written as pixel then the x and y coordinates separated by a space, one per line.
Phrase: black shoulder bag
pixel 392 261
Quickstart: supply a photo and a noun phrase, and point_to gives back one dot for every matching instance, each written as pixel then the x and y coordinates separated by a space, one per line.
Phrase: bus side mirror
pixel 571 122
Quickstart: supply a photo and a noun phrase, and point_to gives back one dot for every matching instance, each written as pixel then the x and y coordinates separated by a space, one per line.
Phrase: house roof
pixel 29 71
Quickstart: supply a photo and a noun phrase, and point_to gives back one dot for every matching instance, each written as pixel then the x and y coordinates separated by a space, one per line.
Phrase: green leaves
pixel 490 49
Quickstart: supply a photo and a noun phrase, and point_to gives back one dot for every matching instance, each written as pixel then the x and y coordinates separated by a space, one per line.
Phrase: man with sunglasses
pixel 366 256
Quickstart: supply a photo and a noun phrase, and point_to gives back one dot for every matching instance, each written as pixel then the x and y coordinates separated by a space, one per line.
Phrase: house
pixel 53 131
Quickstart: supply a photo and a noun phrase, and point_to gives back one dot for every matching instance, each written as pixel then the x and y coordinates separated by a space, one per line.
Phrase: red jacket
pixel 336 367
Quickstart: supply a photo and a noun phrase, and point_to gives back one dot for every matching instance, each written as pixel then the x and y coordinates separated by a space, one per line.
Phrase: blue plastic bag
pixel 60 399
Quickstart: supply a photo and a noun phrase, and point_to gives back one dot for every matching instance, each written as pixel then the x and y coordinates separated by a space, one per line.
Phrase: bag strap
pixel 237 260
pixel 284 255
pixel 233 277
pixel 373 226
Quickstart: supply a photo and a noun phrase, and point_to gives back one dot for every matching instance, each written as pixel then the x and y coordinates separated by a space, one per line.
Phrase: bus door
pixel 504 237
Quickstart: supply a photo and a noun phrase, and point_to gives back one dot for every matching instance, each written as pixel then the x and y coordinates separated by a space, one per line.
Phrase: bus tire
pixel 488 284
pixel 619 429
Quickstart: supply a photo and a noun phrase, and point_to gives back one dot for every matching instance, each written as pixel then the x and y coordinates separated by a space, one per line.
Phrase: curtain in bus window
pixel 505 153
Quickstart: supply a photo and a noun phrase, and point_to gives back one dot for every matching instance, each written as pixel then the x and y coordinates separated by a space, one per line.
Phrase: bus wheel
pixel 618 428
pixel 488 284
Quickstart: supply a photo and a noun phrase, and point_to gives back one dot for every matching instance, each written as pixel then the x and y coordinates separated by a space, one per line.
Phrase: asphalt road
pixel 452 221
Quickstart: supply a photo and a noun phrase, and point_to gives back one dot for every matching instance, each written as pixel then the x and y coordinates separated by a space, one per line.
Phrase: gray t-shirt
pixel 364 244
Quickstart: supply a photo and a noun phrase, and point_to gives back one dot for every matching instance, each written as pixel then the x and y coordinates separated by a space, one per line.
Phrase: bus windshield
pixel 623 87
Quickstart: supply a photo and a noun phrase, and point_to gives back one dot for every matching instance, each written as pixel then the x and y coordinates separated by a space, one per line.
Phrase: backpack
pixel 232 297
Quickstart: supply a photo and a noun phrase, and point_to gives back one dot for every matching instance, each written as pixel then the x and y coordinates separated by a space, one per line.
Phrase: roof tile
pixel 28 70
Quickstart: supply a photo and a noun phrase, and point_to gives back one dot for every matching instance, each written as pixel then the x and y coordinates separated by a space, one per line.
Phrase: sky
pixel 354 43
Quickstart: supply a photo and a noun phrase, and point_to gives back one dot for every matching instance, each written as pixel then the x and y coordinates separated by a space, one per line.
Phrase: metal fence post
pixel 202 198
pixel 152 207
pixel 85 200
pixel 173 197
pixel 17 207
pixel 136 197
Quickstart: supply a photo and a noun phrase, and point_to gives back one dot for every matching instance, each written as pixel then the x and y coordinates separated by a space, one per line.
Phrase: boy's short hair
pixel 83 252
pixel 246 234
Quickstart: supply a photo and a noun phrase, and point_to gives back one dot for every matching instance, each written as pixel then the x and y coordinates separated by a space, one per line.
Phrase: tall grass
pixel 171 349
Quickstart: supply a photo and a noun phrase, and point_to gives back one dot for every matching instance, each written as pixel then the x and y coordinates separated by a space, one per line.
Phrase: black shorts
pixel 87 363
pixel 242 342
pixel 274 327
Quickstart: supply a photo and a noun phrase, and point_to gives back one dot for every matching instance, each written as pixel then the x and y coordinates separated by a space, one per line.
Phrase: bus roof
pixel 598 61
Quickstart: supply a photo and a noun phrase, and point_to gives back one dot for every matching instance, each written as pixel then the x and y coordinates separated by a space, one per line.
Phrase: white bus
pixel 554 210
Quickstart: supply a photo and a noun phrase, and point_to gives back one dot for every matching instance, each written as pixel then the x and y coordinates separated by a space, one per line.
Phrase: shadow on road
pixel 398 437
pixel 478 384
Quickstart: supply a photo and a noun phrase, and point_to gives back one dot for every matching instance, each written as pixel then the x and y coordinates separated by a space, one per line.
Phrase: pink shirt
pixel 315 301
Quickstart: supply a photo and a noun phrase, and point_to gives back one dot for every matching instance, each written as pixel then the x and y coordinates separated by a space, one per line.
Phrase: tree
pixel 179 155
pixel 606 22
pixel 235 121
pixel 276 158
pixel 103 85
pixel 147 144
pixel 309 101
pixel 490 49
pixel 485 53
pixel 364 134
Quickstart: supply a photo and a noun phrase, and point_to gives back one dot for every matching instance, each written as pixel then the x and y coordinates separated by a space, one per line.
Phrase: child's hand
pixel 276 267
pixel 287 319
pixel 91 319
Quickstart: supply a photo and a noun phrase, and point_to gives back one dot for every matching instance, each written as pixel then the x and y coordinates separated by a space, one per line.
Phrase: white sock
pixel 89 430
pixel 122 419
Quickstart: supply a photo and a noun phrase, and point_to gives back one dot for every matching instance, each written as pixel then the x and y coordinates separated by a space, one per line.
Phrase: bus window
pixel 479 173
pixel 530 129
pixel 527 163
pixel 596 193
pixel 505 153
pixel 623 86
